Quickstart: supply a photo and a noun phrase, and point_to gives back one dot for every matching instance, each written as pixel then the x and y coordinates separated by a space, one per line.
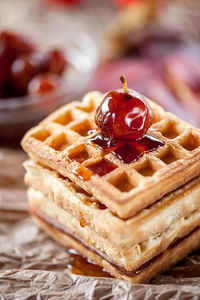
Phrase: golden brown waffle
pixel 174 253
pixel 154 228
pixel 61 143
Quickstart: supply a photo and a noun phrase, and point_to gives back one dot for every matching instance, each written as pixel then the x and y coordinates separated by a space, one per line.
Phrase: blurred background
pixel 53 51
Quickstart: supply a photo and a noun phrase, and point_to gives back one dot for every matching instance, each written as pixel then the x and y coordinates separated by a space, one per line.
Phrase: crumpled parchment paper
pixel 33 266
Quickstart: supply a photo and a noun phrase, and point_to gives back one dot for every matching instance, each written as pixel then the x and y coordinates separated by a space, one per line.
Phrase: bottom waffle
pixel 73 218
pixel 174 253
pixel 128 258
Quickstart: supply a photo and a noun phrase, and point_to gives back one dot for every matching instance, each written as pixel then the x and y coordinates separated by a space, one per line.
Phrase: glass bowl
pixel 18 114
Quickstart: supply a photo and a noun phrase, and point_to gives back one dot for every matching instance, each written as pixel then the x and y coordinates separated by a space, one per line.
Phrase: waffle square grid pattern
pixel 154 228
pixel 61 142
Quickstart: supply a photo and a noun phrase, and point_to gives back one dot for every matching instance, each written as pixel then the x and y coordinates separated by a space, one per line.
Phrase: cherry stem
pixel 124 84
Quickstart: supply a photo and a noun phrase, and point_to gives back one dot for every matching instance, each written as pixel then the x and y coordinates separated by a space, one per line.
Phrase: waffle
pixel 135 220
pixel 61 142
pixel 61 200
pixel 143 273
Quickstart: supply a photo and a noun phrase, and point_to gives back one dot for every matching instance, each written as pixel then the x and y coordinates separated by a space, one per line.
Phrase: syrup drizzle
pixel 82 173
pixel 102 168
pixel 130 150
pixel 80 265
pixel 100 205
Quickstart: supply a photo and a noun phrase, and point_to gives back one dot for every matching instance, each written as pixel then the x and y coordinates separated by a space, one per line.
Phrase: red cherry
pixel 43 84
pixel 7 55
pixel 20 63
pixel 55 62
pixel 22 71
pixel 13 45
pixel 2 79
pixel 17 42
pixel 122 114
pixel 40 61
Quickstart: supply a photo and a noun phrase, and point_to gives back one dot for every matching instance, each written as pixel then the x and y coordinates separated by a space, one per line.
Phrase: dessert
pixel 21 63
pixel 134 218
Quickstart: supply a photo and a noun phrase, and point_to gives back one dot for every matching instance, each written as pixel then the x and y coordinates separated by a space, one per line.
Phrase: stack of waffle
pixel 135 220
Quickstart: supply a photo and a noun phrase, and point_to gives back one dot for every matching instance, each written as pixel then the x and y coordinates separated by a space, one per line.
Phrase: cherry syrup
pixel 127 151
pixel 81 265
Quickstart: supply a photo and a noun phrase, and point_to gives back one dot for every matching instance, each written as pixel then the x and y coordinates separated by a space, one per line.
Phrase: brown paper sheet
pixel 33 266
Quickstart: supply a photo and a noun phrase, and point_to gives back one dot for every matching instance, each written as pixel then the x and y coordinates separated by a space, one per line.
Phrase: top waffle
pixel 61 142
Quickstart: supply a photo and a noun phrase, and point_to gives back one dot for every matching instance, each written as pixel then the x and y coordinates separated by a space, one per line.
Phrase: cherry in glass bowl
pixel 18 114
